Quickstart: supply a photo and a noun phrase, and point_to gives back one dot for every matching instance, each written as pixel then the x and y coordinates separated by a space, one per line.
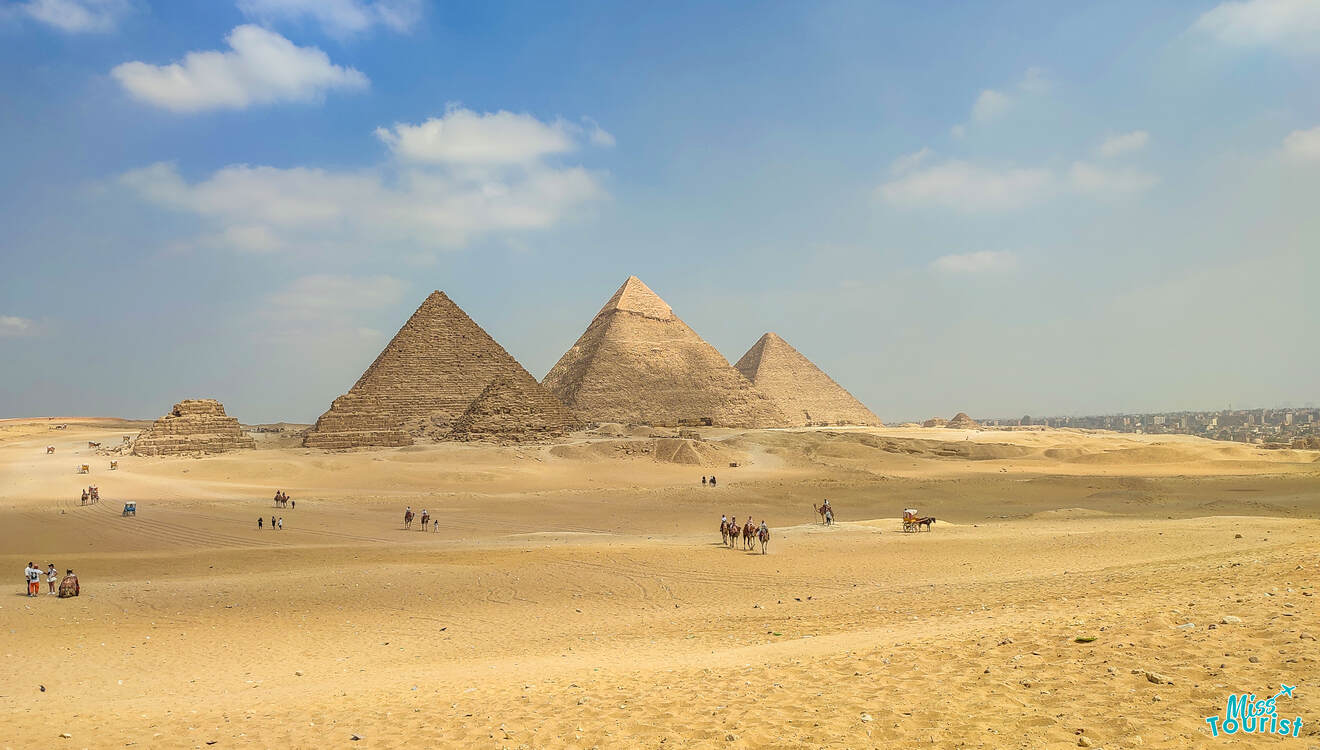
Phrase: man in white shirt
pixel 33 576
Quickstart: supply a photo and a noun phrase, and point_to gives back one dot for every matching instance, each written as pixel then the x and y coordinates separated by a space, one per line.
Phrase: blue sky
pixel 1009 208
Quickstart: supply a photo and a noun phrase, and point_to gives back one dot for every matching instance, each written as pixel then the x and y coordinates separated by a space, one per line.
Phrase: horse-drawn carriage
pixel 913 522
pixel 130 509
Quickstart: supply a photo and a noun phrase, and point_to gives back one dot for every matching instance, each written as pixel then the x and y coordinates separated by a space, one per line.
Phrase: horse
pixel 407 519
pixel 763 534
pixel 927 521
pixel 748 534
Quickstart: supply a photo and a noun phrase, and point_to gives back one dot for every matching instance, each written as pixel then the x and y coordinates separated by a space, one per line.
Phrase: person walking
pixel 272 523
pixel 260 521
pixel 281 526
pixel 51 577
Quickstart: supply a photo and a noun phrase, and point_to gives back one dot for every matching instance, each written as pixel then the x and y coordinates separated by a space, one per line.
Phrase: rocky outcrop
pixel 638 363
pixel 805 394
pixel 193 426
pixel 426 381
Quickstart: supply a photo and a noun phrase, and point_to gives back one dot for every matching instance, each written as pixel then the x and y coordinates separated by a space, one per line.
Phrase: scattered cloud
pixel 12 326
pixel 1286 24
pixel 1303 145
pixel 1110 182
pixel 978 262
pixel 990 105
pixel 967 187
pixel 1123 143
pixel 908 162
pixel 319 295
pixel 598 135
pixel 261 67
pixel 73 16
pixel 462 136
pixel 338 18
pixel 493 180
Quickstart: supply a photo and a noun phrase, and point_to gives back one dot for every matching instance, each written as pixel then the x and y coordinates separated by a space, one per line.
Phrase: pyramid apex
pixel 635 296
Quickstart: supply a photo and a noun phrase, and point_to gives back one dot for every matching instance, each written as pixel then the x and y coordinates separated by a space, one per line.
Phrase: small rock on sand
pixel 1230 620
pixel 1158 678
pixel 1084 741
pixel 1254 660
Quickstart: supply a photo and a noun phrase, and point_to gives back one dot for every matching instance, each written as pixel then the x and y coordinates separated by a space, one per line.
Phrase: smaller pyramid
pixel 507 410
pixel 193 426
pixel 961 421
pixel 801 389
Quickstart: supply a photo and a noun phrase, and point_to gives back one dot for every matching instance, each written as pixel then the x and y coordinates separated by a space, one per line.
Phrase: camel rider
pixel 763 528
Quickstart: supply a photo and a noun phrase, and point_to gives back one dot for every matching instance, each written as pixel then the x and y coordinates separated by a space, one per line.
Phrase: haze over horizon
pixel 1065 210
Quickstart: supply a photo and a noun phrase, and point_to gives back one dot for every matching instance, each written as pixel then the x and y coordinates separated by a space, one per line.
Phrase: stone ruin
pixel 805 394
pixel 441 377
pixel 638 363
pixel 193 426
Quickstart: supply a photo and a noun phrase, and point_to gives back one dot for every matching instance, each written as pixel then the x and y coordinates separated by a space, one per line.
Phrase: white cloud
pixel 466 137
pixel 402 206
pixel 75 16
pixel 1035 81
pixel 261 67
pixel 908 162
pixel 977 262
pixel 12 326
pixel 990 105
pixel 967 187
pixel 1288 24
pixel 338 17
pixel 1109 182
pixel 1303 145
pixel 1123 143
pixel 598 135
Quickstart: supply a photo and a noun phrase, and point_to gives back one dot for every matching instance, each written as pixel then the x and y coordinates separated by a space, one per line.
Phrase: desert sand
pixel 575 592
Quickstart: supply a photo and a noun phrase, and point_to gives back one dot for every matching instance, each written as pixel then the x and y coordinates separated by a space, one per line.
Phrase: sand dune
pixel 577 595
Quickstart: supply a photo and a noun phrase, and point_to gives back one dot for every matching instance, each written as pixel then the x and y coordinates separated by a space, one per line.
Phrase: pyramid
pixel 197 425
pixel 427 378
pixel 805 394
pixel 637 362
pixel 503 412
pixel 961 421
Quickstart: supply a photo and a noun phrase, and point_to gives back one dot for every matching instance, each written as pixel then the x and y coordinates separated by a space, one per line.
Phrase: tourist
pixel 293 503
pixel 84 497
pixel 32 576
pixel 703 481
pixel 51 575
pixel 712 480
pixel 281 523
pixel 272 523
pixel 260 521
pixel 69 586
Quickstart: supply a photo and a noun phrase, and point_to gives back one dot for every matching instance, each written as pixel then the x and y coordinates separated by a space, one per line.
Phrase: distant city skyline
pixel 1003 208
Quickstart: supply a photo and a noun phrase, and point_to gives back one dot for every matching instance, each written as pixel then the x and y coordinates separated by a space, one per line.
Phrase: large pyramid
pixel 428 376
pixel 805 394
pixel 637 362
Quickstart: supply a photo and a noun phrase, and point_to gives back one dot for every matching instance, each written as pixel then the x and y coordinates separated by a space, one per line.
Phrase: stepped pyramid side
pixel 961 421
pixel 425 379
pixel 802 390
pixel 193 426
pixel 508 410
pixel 638 362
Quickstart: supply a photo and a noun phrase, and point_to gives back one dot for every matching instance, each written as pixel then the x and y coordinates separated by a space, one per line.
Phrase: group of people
pixel 282 500
pixel 730 532
pixel 91 495
pixel 711 481
pixel 275 523
pixel 33 574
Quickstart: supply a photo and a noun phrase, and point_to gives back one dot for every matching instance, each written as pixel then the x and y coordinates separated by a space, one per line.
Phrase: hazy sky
pixel 999 208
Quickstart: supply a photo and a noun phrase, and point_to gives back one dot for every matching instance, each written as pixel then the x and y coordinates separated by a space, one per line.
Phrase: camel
pixel 407 519
pixel 826 513
pixel 748 534
pixel 733 532
pixel 724 531
pixel 764 536
pixel 426 518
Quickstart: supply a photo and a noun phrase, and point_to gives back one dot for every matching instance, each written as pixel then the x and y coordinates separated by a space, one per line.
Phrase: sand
pixel 576 594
